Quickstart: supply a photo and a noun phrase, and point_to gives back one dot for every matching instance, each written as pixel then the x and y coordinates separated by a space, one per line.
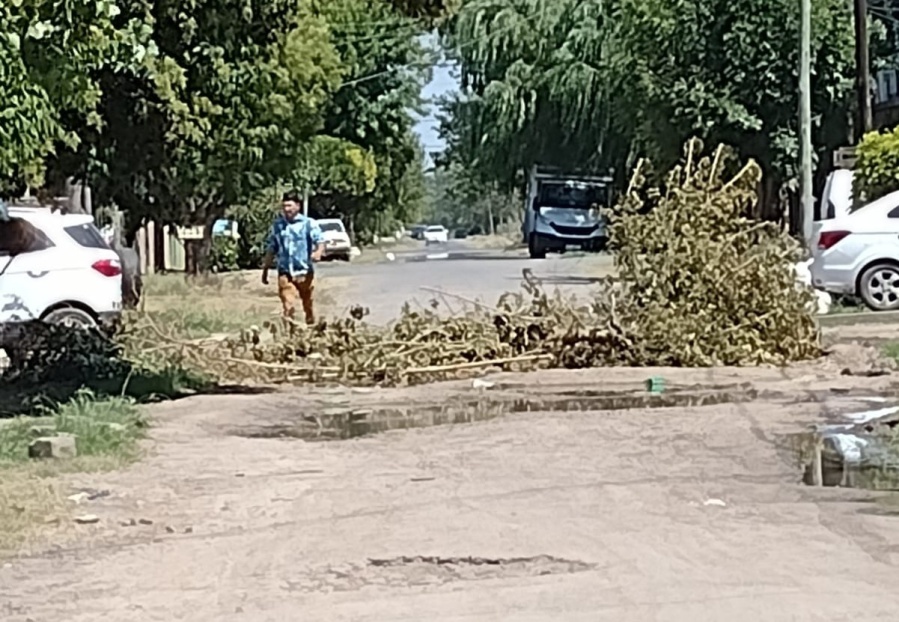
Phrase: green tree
pixel 48 52
pixel 728 71
pixel 216 116
pixel 539 86
pixel 386 66
pixel 592 84
pixel 457 200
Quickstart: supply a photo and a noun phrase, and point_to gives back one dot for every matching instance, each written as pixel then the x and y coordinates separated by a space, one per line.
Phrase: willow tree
pixel 588 82
pixel 539 86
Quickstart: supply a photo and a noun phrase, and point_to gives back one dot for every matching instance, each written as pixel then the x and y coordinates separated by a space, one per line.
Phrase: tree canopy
pixel 177 110
pixel 48 52
pixel 592 83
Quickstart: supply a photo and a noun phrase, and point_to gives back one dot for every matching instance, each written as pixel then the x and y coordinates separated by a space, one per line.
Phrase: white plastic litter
pixel 804 277
pixel 390 256
pixel 477 383
pixel 849 446
pixel 871 415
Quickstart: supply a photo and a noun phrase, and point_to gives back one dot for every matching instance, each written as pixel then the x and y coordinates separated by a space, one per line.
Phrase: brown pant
pixel 288 290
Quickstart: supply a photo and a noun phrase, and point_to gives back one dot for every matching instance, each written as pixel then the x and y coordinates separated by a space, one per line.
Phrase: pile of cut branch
pixel 699 283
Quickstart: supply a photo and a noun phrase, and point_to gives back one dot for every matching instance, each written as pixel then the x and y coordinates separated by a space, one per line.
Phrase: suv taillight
pixel 107 267
pixel 828 239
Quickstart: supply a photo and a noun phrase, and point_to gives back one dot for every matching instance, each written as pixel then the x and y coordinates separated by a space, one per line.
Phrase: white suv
pixel 56 268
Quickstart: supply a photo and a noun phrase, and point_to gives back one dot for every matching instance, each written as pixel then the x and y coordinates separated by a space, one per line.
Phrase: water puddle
pixel 365 422
pixel 861 452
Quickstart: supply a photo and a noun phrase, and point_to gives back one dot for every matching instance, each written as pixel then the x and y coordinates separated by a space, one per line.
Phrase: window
pixel 332 226
pixel 894 213
pixel 86 235
pixel 577 195
pixel 18 236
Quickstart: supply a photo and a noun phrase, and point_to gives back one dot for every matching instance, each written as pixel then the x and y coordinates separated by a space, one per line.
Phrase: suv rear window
pixel 86 235
pixel 18 236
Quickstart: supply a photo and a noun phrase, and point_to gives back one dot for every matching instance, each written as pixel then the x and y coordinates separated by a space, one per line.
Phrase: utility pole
pixel 805 121
pixel 862 70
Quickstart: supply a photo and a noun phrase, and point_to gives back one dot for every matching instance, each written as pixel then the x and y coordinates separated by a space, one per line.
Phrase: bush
pixel 877 167
pixel 700 283
pixel 224 254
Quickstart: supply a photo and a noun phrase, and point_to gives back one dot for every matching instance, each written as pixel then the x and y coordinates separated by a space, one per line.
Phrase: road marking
pixel 438 256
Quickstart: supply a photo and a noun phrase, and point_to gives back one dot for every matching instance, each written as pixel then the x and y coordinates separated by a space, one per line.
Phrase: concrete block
pixel 47 447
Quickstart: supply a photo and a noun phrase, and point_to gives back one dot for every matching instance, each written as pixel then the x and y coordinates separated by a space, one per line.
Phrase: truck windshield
pixel 570 194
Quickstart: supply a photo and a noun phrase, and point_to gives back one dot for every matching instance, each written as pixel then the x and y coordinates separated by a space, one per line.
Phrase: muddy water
pixel 365 422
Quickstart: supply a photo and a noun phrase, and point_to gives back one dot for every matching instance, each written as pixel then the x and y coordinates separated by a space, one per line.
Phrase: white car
pixel 436 234
pixel 337 240
pixel 56 268
pixel 858 254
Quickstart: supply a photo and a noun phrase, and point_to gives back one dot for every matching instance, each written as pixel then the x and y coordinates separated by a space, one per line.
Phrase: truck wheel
pixel 535 250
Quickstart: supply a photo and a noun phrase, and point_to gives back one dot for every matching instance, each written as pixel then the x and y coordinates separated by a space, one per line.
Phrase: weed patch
pixel 107 431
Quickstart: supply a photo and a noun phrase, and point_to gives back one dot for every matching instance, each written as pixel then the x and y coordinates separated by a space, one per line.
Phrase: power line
pixel 431 64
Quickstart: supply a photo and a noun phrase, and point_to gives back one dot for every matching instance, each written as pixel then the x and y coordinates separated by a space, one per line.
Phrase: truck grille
pixel 569 230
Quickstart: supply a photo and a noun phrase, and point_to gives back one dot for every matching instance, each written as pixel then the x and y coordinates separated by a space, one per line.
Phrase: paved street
pixel 457 268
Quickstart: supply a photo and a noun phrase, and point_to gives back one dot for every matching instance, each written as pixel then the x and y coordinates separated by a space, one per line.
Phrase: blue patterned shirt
pixel 292 243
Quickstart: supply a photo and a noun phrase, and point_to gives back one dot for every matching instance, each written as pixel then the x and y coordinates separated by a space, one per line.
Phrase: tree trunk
pixel 196 252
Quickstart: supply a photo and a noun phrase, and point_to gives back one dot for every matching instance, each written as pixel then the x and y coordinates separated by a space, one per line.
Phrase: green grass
pixel 198 323
pixel 846 304
pixel 891 350
pixel 107 431
pixel 102 426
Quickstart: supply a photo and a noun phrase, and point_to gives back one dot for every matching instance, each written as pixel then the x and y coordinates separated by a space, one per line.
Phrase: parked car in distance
pixel 337 240
pixel 57 268
pixel 858 254
pixel 436 234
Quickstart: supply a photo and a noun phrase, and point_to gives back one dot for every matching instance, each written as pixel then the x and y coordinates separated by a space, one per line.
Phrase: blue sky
pixel 443 81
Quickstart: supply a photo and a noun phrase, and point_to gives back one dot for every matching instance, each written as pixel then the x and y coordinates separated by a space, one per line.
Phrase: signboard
pixel 844 157
pixel 189 233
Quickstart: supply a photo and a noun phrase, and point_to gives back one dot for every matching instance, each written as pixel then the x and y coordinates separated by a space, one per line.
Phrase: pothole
pixel 365 422
pixel 404 571
pixel 862 453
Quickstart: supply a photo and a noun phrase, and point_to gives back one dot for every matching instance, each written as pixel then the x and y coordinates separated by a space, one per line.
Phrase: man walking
pixel 294 244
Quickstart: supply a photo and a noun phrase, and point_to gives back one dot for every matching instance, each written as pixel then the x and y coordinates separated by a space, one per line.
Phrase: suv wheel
pixel 879 287
pixel 535 250
pixel 72 317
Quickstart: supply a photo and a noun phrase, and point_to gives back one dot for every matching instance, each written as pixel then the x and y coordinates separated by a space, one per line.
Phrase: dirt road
pixel 571 510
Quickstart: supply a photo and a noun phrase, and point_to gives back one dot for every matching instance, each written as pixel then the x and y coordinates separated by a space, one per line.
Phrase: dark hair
pixel 293 196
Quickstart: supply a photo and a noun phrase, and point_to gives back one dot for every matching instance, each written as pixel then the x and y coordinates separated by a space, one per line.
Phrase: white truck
pixel 564 210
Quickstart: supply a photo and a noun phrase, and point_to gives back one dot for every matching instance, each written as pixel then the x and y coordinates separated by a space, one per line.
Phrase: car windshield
pixel 435 229
pixel 332 226
pixel 572 194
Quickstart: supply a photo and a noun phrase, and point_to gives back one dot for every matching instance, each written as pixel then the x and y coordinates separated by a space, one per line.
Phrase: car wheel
pixel 534 249
pixel 71 317
pixel 879 287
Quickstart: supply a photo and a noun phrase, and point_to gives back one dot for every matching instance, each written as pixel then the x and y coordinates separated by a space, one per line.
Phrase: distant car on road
pixel 337 240
pixel 858 254
pixel 436 234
